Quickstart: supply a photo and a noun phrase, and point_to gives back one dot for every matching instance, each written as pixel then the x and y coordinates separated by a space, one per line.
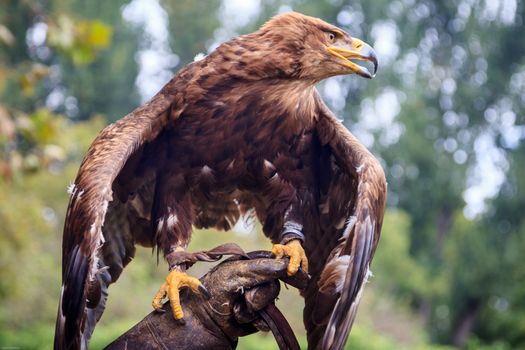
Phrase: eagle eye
pixel 331 36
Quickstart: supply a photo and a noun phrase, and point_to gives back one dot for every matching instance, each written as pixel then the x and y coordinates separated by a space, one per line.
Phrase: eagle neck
pixel 295 98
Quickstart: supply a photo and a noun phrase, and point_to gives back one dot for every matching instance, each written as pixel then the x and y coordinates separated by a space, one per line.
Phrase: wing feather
pixel 96 243
pixel 354 203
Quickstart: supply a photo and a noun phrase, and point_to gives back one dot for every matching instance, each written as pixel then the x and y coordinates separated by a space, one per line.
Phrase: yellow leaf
pixel 99 35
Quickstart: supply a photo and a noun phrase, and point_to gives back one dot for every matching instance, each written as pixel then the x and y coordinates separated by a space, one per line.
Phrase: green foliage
pixel 201 17
pixel 32 208
pixel 104 82
pixel 394 261
pixel 79 39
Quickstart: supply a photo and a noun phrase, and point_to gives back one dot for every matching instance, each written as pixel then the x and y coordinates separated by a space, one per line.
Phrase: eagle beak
pixel 357 50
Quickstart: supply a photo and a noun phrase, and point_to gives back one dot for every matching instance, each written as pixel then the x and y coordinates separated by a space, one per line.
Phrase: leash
pixel 280 328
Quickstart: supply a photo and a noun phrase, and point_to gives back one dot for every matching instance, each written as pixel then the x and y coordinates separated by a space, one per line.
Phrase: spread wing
pixel 342 244
pixel 112 193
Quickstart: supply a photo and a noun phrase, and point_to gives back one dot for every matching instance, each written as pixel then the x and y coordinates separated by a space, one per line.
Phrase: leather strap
pixel 278 324
pixel 179 257
pixel 280 328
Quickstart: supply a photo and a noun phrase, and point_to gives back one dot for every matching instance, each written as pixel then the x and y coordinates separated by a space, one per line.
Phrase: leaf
pixel 99 35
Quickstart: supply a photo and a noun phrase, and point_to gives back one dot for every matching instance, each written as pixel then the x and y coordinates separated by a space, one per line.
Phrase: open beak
pixel 357 50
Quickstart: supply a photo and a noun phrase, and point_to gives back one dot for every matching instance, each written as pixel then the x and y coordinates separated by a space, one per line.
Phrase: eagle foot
pixel 175 280
pixel 295 251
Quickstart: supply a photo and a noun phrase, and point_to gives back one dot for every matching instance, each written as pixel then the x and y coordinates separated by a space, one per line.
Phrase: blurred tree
pixel 79 57
pixel 54 59
pixel 486 295
pixel 192 26
pixel 87 84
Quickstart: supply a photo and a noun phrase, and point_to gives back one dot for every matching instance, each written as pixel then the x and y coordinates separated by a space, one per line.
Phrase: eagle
pixel 241 132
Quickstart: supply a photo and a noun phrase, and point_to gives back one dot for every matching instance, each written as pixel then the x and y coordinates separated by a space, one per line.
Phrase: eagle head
pixel 306 47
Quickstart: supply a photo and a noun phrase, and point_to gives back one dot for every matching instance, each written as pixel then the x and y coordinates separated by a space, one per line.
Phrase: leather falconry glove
pixel 241 302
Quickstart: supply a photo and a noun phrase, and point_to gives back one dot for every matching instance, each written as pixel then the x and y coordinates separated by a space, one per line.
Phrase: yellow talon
pixel 295 251
pixel 157 300
pixel 174 281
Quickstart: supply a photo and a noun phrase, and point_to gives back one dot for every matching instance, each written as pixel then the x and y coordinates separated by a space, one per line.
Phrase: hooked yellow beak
pixel 357 50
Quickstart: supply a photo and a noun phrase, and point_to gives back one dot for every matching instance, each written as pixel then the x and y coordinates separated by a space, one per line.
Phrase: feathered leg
pixel 292 238
pixel 173 214
pixel 286 229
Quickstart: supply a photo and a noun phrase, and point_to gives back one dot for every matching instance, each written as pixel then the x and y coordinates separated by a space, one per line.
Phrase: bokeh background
pixel 445 115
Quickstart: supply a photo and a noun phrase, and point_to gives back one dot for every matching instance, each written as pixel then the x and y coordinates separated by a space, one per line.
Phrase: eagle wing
pixel 342 243
pixel 108 212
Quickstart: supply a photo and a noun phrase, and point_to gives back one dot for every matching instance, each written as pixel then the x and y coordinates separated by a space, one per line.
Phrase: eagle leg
pixel 295 251
pixel 173 213
pixel 292 239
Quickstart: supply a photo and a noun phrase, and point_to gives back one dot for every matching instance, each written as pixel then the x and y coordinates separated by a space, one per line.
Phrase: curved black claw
pixel 204 291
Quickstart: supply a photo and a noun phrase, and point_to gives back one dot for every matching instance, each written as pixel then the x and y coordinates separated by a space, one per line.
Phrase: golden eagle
pixel 242 130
